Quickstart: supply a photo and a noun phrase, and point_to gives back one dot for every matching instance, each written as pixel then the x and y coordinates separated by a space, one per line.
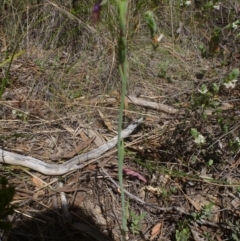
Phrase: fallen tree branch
pixel 152 105
pixel 77 162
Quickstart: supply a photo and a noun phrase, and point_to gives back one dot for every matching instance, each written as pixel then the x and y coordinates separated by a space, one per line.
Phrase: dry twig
pixel 70 165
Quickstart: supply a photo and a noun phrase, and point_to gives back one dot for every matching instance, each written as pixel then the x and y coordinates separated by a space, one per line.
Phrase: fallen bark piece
pixel 77 162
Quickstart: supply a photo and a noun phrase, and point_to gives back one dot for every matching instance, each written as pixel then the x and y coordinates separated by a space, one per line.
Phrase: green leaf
pixel 103 2
pixel 215 88
pixel 142 216
pixel 151 23
pixel 127 210
pixel 194 133
pixel 235 237
pixel 207 210
pixel 210 162
pixel 234 74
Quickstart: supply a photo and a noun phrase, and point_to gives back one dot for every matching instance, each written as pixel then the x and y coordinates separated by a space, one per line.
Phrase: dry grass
pixel 69 72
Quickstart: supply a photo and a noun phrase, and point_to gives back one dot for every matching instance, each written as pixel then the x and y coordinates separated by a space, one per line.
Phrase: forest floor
pixel 181 164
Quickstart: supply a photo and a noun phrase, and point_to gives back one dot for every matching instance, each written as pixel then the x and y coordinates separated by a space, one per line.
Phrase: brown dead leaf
pixel 57 155
pixel 75 151
pixel 39 193
pixel 98 138
pixel 115 93
pixel 235 202
pixel 218 238
pixel 37 182
pixel 69 129
pixel 156 231
pixel 226 106
pixel 83 135
pixel 106 121
pixel 154 190
pixel 92 167
pixel 78 148
pixel 235 164
pixel 22 149
pixel 195 204
pixel 16 66
pixel 196 235
pixel 149 119
pixel 142 193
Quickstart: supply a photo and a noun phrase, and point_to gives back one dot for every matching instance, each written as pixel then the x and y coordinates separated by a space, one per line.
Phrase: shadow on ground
pixel 51 225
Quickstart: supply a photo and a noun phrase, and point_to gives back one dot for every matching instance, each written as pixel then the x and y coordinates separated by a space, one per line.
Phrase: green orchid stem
pixel 122 58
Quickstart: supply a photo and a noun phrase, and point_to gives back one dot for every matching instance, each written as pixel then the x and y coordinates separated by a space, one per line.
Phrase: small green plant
pixel 152 25
pixel 215 89
pixel 205 98
pixel 163 67
pixel 214 43
pixel 203 90
pixel 22 115
pixel 235 144
pixel 238 189
pixel 209 5
pixel 134 219
pixel 6 196
pixel 233 25
pixel 204 213
pixel 210 162
pixel 230 81
pixel 164 192
pixel 207 236
pixel 235 229
pixel 185 3
pixel 203 50
pixel 198 137
pixel 183 232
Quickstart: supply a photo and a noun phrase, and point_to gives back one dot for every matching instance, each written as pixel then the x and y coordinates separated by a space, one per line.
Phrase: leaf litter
pixel 38 119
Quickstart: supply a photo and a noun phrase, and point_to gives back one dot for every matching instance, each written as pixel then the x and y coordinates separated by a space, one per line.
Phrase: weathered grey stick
pixel 152 105
pixel 70 165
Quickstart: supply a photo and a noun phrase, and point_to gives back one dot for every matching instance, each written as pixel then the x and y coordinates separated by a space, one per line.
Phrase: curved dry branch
pixel 70 165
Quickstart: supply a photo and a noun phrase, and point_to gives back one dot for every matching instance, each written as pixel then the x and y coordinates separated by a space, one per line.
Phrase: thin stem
pixel 122 57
